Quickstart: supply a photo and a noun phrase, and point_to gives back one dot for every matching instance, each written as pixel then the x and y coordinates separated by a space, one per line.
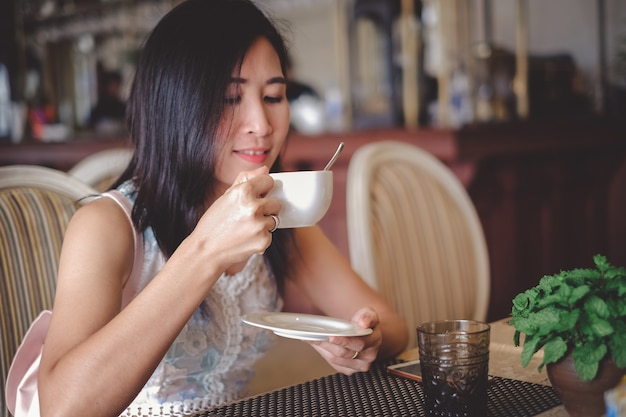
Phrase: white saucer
pixel 304 326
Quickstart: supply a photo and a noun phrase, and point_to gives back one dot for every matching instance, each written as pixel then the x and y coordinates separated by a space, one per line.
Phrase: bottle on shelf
pixel 6 117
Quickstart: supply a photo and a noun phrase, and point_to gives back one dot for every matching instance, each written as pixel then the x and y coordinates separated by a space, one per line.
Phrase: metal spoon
pixel 334 158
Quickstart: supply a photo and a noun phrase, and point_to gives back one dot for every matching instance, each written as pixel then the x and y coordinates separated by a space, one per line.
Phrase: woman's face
pixel 255 122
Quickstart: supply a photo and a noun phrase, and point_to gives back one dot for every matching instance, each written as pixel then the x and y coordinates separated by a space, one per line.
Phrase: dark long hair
pixel 174 108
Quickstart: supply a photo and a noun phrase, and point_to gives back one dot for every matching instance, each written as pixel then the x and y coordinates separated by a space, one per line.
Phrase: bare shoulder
pixel 101 233
pixel 102 215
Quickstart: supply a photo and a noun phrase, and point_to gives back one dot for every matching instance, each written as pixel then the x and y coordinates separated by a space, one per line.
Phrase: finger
pixel 344 348
pixel 366 318
pixel 252 187
pixel 344 365
pixel 272 206
pixel 246 176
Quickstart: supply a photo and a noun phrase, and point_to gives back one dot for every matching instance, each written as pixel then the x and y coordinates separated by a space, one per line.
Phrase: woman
pixel 208 118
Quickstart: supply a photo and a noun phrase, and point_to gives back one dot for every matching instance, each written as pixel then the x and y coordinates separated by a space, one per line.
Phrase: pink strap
pixel 130 288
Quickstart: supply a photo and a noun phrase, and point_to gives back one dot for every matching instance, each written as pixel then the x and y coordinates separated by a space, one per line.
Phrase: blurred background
pixel 370 63
pixel 525 100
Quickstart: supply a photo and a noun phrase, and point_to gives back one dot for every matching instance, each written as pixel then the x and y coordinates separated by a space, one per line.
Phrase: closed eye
pixel 273 99
pixel 232 100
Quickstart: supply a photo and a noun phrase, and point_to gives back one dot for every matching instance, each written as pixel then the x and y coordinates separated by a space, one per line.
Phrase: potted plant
pixel 578 318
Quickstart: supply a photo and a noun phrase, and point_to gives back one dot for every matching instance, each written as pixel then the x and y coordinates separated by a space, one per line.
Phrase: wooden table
pixel 292 362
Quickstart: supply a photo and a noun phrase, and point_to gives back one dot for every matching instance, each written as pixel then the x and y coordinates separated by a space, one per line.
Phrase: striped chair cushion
pixel 32 226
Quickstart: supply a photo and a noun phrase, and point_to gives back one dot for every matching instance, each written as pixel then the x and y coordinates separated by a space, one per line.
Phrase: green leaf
pixel 596 306
pixel 553 299
pixel 590 353
pixel 614 273
pixel 601 328
pixel 616 308
pixel 620 309
pixel 601 262
pixel 524 325
pixel 549 282
pixel 524 302
pixel 530 348
pixel 586 371
pixel 621 286
pixel 578 293
pixel 577 277
pixel 586 360
pixel 564 292
pixel 546 320
pixel 616 286
pixel 554 350
pixel 568 320
pixel 617 345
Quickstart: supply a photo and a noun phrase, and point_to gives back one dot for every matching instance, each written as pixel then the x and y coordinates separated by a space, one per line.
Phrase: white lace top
pixel 211 360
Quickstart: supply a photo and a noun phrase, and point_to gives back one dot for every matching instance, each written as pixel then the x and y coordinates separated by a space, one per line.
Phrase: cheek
pixel 224 175
pixel 280 118
pixel 223 137
pixel 226 124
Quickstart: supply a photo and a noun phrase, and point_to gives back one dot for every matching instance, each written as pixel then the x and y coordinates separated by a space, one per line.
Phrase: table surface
pixel 504 362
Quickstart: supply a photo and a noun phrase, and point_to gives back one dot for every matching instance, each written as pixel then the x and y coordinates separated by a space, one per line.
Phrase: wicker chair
pixel 36 204
pixel 102 168
pixel 415 236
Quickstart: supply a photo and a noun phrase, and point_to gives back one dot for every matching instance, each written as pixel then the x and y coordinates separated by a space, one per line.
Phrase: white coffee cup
pixel 305 196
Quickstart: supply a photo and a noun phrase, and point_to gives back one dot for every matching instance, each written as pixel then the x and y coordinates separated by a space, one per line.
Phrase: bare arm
pixel 93 351
pixel 324 274
pixel 96 357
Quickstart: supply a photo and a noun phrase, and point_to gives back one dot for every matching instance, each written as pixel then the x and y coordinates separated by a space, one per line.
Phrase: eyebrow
pixel 273 80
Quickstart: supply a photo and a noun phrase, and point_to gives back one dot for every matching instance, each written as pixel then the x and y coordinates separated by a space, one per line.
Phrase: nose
pixel 256 120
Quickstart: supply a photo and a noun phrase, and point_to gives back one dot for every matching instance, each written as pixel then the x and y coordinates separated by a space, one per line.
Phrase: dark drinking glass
pixel 454 357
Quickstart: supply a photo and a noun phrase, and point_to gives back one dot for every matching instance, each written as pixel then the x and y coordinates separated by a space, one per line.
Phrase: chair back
pixel 101 169
pixel 415 236
pixel 36 204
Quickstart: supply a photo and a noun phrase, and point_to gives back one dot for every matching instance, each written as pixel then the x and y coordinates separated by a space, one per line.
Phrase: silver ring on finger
pixel 276 222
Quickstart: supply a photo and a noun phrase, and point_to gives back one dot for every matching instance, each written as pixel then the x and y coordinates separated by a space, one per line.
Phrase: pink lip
pixel 255 156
